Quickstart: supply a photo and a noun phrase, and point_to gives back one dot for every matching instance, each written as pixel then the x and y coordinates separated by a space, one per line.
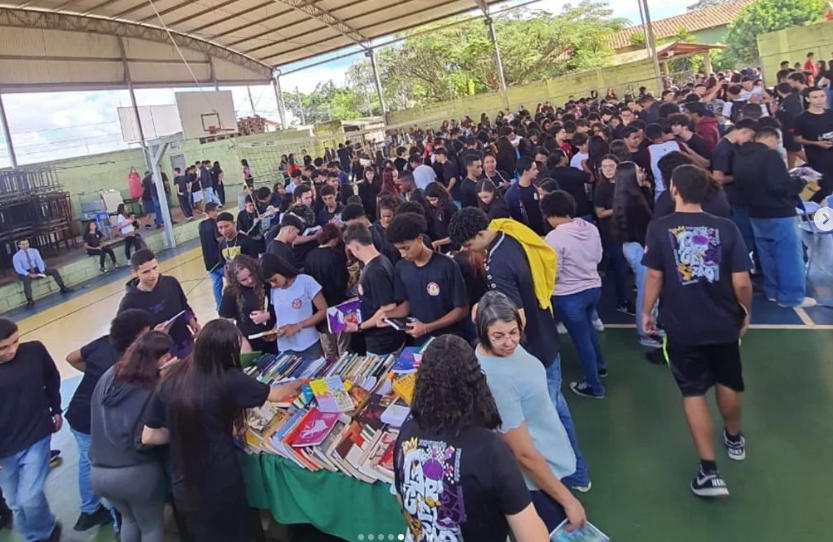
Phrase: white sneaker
pixel 598 325
pixel 649 342
pixel 805 303
pixel 561 329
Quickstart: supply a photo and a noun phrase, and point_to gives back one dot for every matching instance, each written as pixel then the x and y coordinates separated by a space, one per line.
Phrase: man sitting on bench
pixel 29 265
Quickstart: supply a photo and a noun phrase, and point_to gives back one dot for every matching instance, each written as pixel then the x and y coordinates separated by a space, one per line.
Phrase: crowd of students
pixel 483 235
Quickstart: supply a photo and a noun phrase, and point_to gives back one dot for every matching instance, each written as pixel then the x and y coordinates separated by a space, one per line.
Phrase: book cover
pixel 589 533
pixel 408 360
pixel 396 413
pixel 339 316
pixel 317 425
pixel 404 387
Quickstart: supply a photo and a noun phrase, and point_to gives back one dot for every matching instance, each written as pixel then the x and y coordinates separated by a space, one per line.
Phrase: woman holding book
pixel 198 409
pixel 124 472
pixel 299 307
pixel 530 425
pixel 246 302
pixel 448 459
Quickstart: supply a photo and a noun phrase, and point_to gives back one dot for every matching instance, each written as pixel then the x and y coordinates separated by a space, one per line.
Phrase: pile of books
pixel 345 419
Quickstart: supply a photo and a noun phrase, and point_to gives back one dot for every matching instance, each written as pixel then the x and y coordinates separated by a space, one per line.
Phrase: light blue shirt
pixel 21 260
pixel 519 385
pixel 423 176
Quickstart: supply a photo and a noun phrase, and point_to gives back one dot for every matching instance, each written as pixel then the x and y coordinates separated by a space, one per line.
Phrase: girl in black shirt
pixel 92 242
pixel 368 190
pixel 442 209
pixel 245 300
pixel 490 200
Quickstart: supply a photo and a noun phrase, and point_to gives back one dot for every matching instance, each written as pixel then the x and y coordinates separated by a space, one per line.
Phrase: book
pixel 339 316
pixel 408 361
pixel 396 413
pixel 317 426
pixel 588 533
pixel 404 387
pixel 331 394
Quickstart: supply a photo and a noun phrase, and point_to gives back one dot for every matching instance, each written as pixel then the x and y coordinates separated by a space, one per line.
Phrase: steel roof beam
pixel 304 6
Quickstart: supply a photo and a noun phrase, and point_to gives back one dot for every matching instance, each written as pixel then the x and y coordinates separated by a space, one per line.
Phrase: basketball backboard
pixel 206 113
pixel 158 121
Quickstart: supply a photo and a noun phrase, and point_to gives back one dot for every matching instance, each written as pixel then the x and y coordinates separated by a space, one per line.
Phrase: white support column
pixel 276 85
pixel 251 100
pixel 371 54
pixel 153 155
pixel 7 134
pixel 652 42
pixel 498 62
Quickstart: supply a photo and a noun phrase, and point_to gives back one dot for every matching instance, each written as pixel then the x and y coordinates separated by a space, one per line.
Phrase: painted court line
pixel 809 326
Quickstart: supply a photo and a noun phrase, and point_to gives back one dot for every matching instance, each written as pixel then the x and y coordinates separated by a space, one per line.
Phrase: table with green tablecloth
pixel 332 502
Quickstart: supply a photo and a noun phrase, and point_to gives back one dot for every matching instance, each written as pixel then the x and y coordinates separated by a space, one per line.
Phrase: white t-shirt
pixel 576 160
pixel 292 305
pixel 423 176
pixel 126 225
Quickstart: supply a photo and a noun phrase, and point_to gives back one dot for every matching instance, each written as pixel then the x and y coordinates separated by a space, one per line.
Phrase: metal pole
pixel 300 106
pixel 276 84
pixel 649 35
pixel 498 62
pixel 372 55
pixel 251 100
pixel 7 134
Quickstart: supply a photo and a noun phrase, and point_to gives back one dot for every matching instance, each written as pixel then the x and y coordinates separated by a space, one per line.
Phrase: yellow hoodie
pixel 541 257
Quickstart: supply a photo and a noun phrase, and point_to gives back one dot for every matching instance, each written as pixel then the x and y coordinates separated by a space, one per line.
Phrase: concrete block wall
pixel 793 44
pixel 79 272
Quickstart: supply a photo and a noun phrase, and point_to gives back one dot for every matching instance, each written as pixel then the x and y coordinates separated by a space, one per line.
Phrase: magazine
pixel 339 316
pixel 589 533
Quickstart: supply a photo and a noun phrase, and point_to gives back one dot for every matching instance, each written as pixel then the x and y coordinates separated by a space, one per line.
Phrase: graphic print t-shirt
pixel 457 488
pixel 697 253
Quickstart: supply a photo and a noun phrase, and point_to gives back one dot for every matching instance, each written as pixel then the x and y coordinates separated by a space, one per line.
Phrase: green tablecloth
pixel 332 502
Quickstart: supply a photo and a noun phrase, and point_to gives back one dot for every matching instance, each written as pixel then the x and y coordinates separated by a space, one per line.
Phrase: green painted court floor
pixel 641 458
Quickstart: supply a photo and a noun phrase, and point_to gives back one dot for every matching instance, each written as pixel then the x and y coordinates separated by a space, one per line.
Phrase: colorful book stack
pixel 345 419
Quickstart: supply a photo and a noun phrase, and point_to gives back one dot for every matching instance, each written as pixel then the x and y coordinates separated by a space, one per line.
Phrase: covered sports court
pixel 637 448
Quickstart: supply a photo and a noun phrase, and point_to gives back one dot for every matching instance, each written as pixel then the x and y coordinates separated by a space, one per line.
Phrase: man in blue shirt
pixel 29 265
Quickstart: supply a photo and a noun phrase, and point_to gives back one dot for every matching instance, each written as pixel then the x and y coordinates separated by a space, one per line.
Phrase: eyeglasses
pixel 503 338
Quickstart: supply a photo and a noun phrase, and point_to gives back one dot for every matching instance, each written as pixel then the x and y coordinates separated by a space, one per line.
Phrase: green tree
pixel 703 4
pixel 768 16
pixel 326 102
pixel 638 39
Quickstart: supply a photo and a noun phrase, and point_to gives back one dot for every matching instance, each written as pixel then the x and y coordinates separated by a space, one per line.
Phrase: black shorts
pixel 697 368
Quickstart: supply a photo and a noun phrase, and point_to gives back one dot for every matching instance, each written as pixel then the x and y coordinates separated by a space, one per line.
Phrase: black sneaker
pixel 86 522
pixel 627 307
pixel 603 373
pixel 56 534
pixel 709 484
pixel 735 449
pixel 583 389
pixel 54 458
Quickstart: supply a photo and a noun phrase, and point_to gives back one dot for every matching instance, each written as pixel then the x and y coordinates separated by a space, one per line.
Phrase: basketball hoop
pixel 212 130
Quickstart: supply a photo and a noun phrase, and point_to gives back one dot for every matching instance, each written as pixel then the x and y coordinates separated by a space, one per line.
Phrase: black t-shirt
pixel 148 190
pixel 400 163
pixel 205 178
pixel 93 240
pixel 438 229
pixel 574 182
pixel 181 182
pixel 99 356
pixel 524 205
pixel 642 159
pixel 432 291
pixel 242 244
pixel 603 198
pixel 724 155
pixel 230 309
pixel 697 253
pixel 814 127
pixel 699 145
pixel 499 179
pixel 279 248
pixel 248 224
pixel 301 250
pixel 464 192
pixel 208 241
pixel 714 203
pixel 325 216
pixel 195 186
pixel 457 486
pixel 328 266
pixel 507 271
pixel 448 171
pixel 375 291
pixel 30 388
pixel 220 472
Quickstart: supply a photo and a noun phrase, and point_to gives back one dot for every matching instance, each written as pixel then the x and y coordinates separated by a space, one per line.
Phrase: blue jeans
pixel 550 512
pixel 782 259
pixel 22 479
pixel 633 254
pixel 740 217
pixel 216 275
pixel 576 312
pixel 157 212
pixel 580 477
pixel 89 500
pixel 209 196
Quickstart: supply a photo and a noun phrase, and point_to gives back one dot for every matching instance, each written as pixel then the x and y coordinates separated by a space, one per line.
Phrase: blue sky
pixel 57 125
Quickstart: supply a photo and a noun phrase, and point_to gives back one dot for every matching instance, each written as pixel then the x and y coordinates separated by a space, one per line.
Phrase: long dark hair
pixel 597 148
pixel 139 365
pixel 451 393
pixel 627 198
pixel 436 190
pixel 216 351
pixel 507 157
pixel 486 185
pixel 239 263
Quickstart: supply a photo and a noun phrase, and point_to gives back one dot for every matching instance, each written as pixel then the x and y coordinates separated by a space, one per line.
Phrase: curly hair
pixel 451 393
pixel 466 224
pixel 233 286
